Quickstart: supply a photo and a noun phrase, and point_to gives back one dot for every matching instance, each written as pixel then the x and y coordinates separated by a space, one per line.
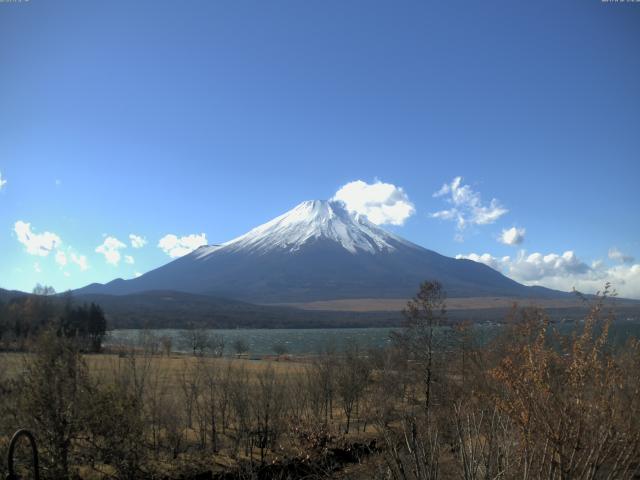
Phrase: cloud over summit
pixel 382 203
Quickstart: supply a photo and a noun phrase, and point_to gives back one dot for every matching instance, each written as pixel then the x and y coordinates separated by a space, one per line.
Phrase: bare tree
pixel 414 451
pixel 55 384
pixel 166 343
pixel 149 342
pixel 280 348
pixel 215 345
pixel 240 346
pixel 267 404
pixel 423 315
pixel 199 341
pixel 115 425
pixel 190 388
pixel 322 383
pixel 239 395
pixel 213 391
pixel 352 380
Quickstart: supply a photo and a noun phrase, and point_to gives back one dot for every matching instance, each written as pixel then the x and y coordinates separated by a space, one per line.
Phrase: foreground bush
pixel 532 404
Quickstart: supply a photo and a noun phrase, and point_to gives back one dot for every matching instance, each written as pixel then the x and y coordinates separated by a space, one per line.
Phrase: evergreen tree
pixel 96 327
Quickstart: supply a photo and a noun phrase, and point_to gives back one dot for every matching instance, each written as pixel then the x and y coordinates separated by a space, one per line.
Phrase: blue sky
pixel 207 117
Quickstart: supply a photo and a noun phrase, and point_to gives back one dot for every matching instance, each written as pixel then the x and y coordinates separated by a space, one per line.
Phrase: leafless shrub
pixel 267 408
pixel 54 395
pixel 240 346
pixel 574 407
pixel 352 380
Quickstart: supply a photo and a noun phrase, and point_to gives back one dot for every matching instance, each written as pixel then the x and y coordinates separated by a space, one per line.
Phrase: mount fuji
pixel 319 251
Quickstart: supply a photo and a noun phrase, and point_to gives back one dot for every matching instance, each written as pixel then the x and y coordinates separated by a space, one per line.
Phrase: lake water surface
pixel 315 340
pixel 261 341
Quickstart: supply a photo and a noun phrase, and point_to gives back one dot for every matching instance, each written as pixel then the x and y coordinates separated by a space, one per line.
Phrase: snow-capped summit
pixel 311 221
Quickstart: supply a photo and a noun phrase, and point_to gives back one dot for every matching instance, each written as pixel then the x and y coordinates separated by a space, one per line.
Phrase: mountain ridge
pixel 319 251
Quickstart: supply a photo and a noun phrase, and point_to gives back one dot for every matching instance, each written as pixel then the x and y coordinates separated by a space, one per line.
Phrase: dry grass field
pixel 171 367
pixel 176 401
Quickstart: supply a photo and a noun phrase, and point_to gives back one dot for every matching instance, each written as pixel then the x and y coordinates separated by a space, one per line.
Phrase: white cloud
pixel 617 255
pixel 129 259
pixel 467 207
pixel 512 236
pixel 3 182
pixel 110 248
pixel 564 272
pixel 36 267
pixel 67 274
pixel 626 280
pixel 486 258
pixel 40 244
pixel 137 274
pixel 80 260
pixel 61 258
pixel 137 241
pixel 382 203
pixel 536 266
pixel 175 246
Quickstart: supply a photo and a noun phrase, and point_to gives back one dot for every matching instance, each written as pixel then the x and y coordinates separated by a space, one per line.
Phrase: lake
pixel 315 340
pixel 261 341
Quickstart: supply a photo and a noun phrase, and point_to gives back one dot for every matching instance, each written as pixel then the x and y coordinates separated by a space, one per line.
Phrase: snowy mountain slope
pixel 319 251
pixel 309 221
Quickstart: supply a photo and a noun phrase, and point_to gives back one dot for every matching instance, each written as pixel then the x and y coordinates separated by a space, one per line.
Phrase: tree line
pixel 24 318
